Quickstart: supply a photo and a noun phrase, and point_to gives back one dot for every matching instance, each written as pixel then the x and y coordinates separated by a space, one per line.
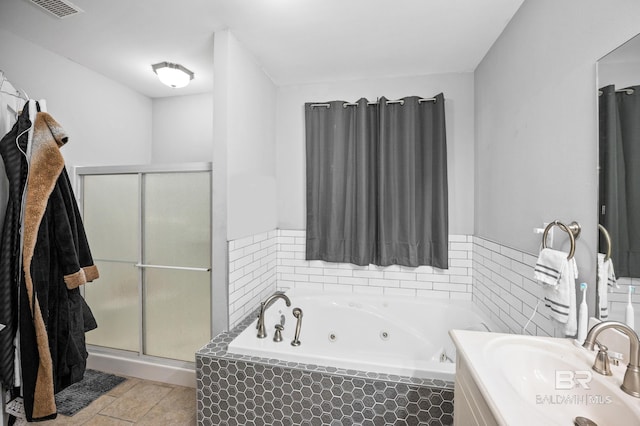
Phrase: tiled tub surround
pixel 260 263
pixel 243 390
pixel 237 389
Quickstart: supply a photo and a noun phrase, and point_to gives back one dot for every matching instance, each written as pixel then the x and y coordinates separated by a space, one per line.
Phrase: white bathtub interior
pixel 383 334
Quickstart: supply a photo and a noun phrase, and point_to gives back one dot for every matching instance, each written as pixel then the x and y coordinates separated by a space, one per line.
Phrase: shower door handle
pixel 179 268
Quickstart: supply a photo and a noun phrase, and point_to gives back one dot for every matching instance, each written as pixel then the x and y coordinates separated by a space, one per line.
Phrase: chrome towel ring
pixel 573 229
pixel 607 237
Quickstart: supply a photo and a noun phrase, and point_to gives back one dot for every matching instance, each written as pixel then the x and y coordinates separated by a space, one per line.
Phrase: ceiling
pixel 295 41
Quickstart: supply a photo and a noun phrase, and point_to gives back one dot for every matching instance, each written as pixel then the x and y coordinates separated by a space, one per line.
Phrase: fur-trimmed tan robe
pixel 56 260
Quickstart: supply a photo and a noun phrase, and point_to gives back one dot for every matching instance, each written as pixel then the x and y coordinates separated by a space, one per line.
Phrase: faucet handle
pixel 615 357
pixel 277 336
pixel 260 315
pixel 601 364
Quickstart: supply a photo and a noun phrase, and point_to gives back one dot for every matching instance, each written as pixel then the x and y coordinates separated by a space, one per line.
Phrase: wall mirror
pixel 618 85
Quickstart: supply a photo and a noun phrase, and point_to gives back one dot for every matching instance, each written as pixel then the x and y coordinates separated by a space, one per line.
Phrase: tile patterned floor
pixel 137 402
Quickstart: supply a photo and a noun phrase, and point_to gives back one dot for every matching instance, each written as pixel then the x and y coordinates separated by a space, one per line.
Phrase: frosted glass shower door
pixel 150 235
pixel 111 211
pixel 177 255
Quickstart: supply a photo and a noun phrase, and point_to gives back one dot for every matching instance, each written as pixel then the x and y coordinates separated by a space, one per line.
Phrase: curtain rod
pixel 627 91
pixel 398 101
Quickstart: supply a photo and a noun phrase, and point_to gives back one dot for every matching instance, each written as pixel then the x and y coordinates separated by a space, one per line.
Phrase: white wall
pixel 251 162
pixel 182 129
pixel 107 123
pixel 243 202
pixel 536 134
pixel 458 91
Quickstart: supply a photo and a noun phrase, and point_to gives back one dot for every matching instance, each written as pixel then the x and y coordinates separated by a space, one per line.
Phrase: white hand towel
pixel 548 266
pixel 603 300
pixel 606 279
pixel 558 275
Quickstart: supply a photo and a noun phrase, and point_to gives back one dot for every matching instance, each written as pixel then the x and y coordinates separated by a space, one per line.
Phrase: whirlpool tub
pixel 393 335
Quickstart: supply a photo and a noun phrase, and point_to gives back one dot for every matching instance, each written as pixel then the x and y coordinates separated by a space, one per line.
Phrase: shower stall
pixel 149 228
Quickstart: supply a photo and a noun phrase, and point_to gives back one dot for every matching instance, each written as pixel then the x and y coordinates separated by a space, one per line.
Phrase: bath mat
pixel 77 396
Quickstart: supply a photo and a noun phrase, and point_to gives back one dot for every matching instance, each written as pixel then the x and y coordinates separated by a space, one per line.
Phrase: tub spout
pixel 262 332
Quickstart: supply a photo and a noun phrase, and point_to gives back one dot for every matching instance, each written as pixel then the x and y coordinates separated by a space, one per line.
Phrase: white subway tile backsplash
pixel 434 294
pixel 416 284
pixel 399 276
pixel 308 271
pixel 400 291
pixel 460 246
pixel 490 245
pixel 504 288
pixel 501 260
pixel 461 279
pixel 433 277
pixel 379 282
pixel 512 276
pixel 459 254
pixel 450 287
pixel 295 277
pixel 460 296
pixel 461 263
pixel 353 281
pixel 252 273
pixel 338 288
pixel 339 272
pixel 366 274
pixel 329 279
pixel 290 233
pixel 464 272
pixel 529 259
pixel 295 248
pixel 526 297
pixel 511 253
pixel 373 278
pixel 498 278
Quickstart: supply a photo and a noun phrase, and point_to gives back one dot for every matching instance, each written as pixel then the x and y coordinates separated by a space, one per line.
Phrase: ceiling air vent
pixel 58 8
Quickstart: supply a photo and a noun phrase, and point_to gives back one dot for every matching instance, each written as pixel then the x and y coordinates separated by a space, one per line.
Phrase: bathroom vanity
pixel 470 406
pixel 507 379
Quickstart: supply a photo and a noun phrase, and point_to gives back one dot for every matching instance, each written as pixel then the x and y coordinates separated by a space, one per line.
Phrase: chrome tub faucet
pixel 262 332
pixel 631 381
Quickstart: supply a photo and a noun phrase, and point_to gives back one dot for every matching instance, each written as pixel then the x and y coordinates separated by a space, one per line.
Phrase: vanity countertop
pixel 530 380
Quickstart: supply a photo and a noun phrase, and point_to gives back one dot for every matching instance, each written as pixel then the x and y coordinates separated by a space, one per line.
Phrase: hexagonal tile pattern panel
pixel 241 390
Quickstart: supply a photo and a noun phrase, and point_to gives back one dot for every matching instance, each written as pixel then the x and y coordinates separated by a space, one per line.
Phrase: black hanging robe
pixel 55 260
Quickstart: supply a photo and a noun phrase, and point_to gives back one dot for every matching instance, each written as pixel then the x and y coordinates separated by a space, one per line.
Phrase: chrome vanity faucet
pixel 262 332
pixel 631 381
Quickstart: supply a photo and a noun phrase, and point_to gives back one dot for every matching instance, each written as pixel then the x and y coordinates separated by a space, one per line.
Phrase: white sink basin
pixel 544 380
pixel 558 379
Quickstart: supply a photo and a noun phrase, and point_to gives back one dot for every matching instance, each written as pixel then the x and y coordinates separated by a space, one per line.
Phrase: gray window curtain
pixel 619 178
pixel 377 182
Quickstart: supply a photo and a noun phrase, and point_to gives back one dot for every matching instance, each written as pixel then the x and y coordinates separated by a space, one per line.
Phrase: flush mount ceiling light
pixel 173 75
